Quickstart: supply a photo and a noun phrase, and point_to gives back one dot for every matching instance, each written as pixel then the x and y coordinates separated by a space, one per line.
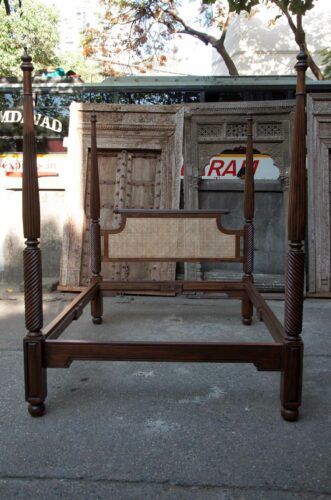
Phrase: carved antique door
pixel 139 157
pixel 128 179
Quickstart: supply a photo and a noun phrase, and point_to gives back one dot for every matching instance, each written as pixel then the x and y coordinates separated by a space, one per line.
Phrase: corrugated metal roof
pixel 197 83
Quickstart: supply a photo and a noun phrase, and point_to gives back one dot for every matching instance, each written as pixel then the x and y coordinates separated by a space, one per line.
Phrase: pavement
pixel 118 430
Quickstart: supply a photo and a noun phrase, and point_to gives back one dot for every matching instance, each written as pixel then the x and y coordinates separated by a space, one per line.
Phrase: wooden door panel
pixel 127 180
pixel 139 156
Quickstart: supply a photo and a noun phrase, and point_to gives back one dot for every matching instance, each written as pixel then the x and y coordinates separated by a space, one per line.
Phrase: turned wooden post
pixel 294 285
pixel 35 374
pixel 247 306
pixel 95 236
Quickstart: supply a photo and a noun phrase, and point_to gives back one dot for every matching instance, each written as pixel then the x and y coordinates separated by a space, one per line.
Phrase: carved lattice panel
pixel 236 130
pixel 269 129
pixel 210 131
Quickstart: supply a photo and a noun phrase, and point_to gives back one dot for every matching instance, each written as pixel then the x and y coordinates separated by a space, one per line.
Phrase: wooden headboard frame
pixel 44 349
pixel 172 236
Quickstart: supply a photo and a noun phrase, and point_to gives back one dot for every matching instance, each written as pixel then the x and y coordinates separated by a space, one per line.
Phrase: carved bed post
pixel 35 373
pixel 291 383
pixel 247 306
pixel 95 236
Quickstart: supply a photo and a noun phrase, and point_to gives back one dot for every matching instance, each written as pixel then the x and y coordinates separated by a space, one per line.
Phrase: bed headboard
pixel 171 235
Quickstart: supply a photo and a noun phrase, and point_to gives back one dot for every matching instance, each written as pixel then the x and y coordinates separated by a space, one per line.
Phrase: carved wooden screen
pixel 212 128
pixel 127 179
pixel 319 193
pixel 139 156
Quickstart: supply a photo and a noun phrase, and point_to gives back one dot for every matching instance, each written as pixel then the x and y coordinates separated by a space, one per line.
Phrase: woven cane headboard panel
pixel 171 235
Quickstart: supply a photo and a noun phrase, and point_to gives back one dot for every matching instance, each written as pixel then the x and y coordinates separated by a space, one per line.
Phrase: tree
pixel 145 28
pixel 87 69
pixel 31 24
pixel 294 28
pixel 326 62
pixel 8 6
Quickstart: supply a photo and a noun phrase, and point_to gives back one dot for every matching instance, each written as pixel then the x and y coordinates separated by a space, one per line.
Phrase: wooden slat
pixel 176 286
pixel 60 354
pixel 71 312
pixel 119 202
pixel 132 212
pixel 161 270
pixel 74 289
pixel 271 321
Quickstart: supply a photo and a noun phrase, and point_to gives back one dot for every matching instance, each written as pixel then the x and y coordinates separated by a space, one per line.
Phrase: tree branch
pixel 225 27
pixel 7 6
pixel 217 43
pixel 298 38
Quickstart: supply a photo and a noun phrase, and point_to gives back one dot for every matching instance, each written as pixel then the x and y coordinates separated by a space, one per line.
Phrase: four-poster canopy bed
pixel 167 235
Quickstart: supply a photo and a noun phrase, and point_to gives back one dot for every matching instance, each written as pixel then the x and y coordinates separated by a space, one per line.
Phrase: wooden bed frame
pixel 168 235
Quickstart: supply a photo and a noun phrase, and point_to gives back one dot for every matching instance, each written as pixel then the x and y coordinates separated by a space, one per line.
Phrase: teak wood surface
pixel 43 348
pixel 139 160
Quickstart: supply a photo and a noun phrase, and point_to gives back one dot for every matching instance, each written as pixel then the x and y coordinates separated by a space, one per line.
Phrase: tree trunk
pixel 217 43
pixel 311 63
pixel 7 6
pixel 314 68
pixel 229 63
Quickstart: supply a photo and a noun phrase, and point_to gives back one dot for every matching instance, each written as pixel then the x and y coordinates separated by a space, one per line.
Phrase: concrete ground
pixel 164 430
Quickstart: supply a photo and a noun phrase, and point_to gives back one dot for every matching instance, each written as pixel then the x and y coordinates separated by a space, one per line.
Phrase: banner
pixel 228 165
pixel 50 167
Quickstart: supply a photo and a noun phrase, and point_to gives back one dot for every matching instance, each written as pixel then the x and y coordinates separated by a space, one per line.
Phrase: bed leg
pixel 246 303
pixel 246 310
pixel 95 231
pixel 291 381
pixel 97 308
pixel 34 366
pixel 35 375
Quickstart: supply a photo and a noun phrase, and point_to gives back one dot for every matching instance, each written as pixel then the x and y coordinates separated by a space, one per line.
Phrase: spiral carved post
pixel 35 373
pixel 291 383
pixel 95 236
pixel 247 306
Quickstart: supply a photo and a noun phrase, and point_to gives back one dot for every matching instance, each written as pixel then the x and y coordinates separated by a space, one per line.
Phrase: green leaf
pixel 242 5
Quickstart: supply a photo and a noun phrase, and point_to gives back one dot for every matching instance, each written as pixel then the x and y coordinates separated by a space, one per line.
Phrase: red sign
pixel 227 166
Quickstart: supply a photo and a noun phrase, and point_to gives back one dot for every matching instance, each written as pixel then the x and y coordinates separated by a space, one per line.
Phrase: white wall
pixel 74 16
pixel 259 49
